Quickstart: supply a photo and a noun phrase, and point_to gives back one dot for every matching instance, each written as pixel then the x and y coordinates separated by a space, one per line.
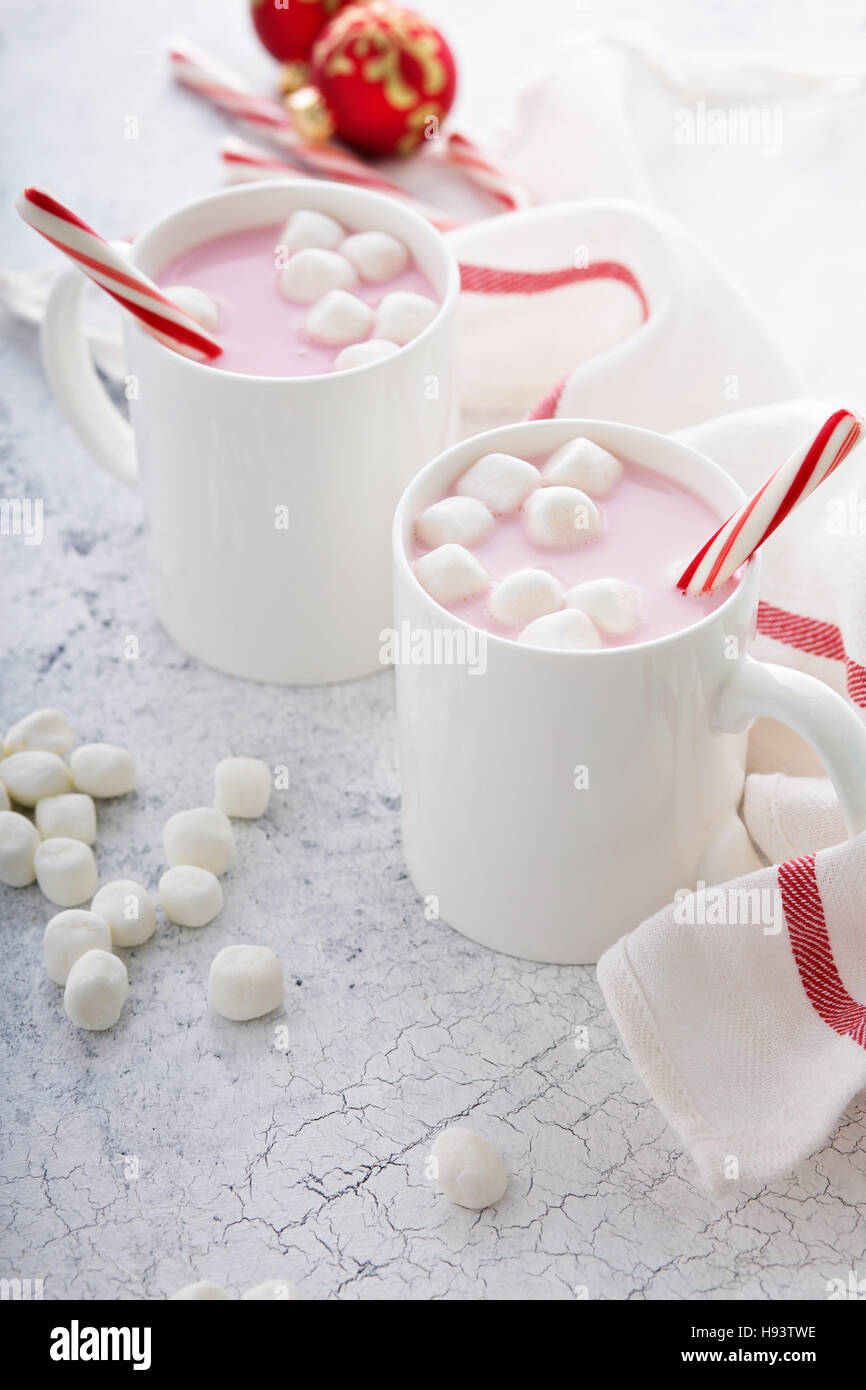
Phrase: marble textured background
pixel 179 1145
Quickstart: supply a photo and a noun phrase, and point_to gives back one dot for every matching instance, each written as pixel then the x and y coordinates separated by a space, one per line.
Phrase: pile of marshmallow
pixel 324 265
pixel 54 848
pixel 558 512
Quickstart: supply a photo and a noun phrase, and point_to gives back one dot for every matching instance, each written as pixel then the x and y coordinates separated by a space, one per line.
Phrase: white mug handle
pixel 69 367
pixel 757 689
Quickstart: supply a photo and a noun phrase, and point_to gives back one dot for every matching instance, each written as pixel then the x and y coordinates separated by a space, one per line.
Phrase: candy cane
pixel 228 92
pixel 484 170
pixel 248 163
pixel 110 269
pixel 735 542
pixel 201 73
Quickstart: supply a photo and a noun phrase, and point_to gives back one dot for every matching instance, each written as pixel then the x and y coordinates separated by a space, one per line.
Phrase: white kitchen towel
pixel 740 1009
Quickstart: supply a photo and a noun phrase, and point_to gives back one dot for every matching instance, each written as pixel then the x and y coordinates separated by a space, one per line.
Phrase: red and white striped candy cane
pixel 484 170
pixel 227 91
pixel 248 163
pixel 742 534
pixel 201 73
pixel 110 269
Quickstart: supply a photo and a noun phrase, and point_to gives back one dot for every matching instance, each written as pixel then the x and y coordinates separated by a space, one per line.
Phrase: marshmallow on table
pixel 313 272
pixel 567 631
pixel 202 836
pixel 501 481
pixel 363 354
pixel 245 982
pixel 377 256
pixel 525 595
pixel 128 909
pixel 66 871
pixel 612 604
pixel 196 303
pixel 5 803
pixel 274 1290
pixel 45 731
pixel 203 1291
pixel 102 769
pixel 580 463
pixel 71 816
pixel 402 315
pixel 462 519
pixel 308 228
pixel 338 319
pixel 242 787
pixel 96 990
pixel 19 841
pixel 29 776
pixel 189 896
pixel 561 518
pixel 467 1168
pixel 451 574
pixel 67 937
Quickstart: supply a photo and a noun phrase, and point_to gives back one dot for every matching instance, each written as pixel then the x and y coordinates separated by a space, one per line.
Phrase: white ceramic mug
pixel 216 453
pixel 553 800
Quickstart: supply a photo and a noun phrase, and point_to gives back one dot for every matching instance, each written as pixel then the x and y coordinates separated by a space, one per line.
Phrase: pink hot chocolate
pixel 649 528
pixel 263 333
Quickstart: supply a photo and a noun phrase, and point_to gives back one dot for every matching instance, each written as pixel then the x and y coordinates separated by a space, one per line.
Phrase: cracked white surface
pixel 306 1163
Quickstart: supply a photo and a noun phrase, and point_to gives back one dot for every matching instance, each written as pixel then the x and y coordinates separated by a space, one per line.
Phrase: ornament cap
pixel 293 76
pixel 311 114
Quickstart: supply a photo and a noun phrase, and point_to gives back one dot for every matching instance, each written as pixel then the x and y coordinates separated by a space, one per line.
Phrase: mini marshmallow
pixel 612 604
pixel 190 896
pixel 5 803
pixel 96 990
pixel 102 769
pixel 66 871
pixel 568 631
pixel 67 937
pixel 307 228
pixel 338 319
pixel 274 1289
pixel 196 303
pixel 523 596
pixel 28 777
pixel 376 256
pixel 451 574
pixel 44 731
pixel 362 354
pixel 501 481
pixel 580 463
pixel 467 1169
pixel 402 315
pixel 19 841
pixel 242 787
pixel 71 816
pixel 245 982
pixel 128 909
pixel 561 518
pixel 202 837
pixel 462 519
pixel 313 272
pixel 203 1291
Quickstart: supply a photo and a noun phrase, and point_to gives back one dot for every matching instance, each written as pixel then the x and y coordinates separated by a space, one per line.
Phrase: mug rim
pixel 362 196
pixel 745 587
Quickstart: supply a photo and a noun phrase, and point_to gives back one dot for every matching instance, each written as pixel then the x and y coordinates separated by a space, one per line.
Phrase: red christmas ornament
pixel 288 30
pixel 381 78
